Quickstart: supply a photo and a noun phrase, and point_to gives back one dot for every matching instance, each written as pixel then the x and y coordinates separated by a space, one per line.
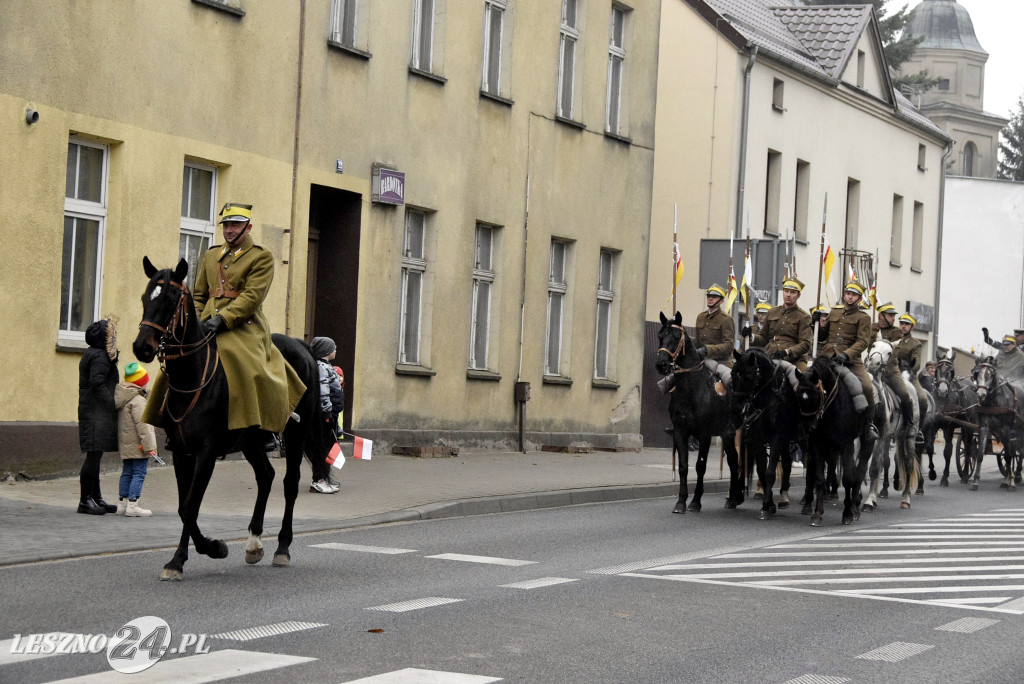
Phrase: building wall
pixel 209 86
pixel 964 70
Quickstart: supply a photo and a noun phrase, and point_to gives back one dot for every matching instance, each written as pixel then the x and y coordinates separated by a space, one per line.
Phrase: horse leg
pixel 852 478
pixel 293 442
pixel 947 453
pixel 681 440
pixel 820 468
pixel 874 482
pixel 256 455
pixel 214 548
pixel 701 468
pixel 184 467
pixel 786 461
pixel 736 495
pixel 766 466
pixel 979 454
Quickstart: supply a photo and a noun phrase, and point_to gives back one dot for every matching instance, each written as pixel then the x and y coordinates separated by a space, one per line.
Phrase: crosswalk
pixel 973 561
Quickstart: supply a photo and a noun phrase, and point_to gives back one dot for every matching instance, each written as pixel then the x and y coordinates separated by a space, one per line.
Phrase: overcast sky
pixel 999 25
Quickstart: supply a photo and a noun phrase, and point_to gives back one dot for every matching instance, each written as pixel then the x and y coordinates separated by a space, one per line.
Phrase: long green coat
pixel 263 390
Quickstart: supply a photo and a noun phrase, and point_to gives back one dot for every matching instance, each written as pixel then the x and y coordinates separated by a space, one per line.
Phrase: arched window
pixel 970 154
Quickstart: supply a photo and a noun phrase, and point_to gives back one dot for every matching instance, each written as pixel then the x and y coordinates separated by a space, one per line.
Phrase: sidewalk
pixel 41 523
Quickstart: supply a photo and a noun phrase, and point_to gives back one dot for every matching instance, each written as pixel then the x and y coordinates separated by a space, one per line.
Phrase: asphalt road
pixel 618 592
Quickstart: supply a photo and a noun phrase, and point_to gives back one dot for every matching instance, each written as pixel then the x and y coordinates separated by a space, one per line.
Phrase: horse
pixel 926 422
pixel 955 406
pixel 891 425
pixel 695 409
pixel 769 422
pixel 1000 413
pixel 195 416
pixel 824 398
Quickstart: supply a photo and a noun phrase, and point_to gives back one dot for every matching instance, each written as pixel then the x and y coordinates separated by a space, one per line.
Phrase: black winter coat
pixel 97 377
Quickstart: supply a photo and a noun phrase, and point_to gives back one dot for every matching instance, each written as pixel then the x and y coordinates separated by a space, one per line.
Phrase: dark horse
pixel 1000 414
pixel 824 398
pixel 695 409
pixel 195 416
pixel 768 417
pixel 955 406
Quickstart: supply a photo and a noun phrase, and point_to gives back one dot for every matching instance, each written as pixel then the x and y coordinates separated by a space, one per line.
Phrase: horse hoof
pixel 783 504
pixel 168 574
pixel 815 521
pixel 680 508
pixel 253 557
pixel 282 560
pixel 944 482
pixel 218 549
pixel 848 520
pixel 868 506
pixel 856 516
pixel 919 492
pixel 884 494
pixel 974 486
pixel 694 506
pixel 730 504
pixel 905 505
pixel 932 474
pixel 768 514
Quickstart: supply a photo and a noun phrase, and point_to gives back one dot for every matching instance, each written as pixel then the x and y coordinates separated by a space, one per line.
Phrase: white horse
pixel 891 426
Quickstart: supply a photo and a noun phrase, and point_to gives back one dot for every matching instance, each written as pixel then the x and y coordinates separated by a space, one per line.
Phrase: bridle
pixel 673 355
pixel 878 353
pixel 755 392
pixel 826 397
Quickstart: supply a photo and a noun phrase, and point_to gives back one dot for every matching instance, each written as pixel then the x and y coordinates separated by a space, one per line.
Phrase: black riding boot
pixel 88 480
pixel 868 431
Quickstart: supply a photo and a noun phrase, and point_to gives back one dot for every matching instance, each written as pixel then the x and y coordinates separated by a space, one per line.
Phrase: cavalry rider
pixel 786 332
pixel 846 335
pixel 1010 360
pixel 231 284
pixel 908 352
pixel 761 315
pixel 899 339
pixel 716 333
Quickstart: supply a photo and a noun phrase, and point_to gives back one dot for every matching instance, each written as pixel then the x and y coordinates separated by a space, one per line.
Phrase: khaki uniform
pixel 718 333
pixel 909 349
pixel 849 331
pixel 1010 365
pixel 891 373
pixel 786 330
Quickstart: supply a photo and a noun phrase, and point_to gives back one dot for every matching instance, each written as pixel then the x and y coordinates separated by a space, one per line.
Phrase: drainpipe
pixel 741 190
pixel 295 171
pixel 938 249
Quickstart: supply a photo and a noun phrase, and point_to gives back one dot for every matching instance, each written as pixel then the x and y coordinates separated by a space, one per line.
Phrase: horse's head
pixel 944 375
pixel 812 386
pixel 750 371
pixel 672 343
pixel 878 356
pixel 163 297
pixel 984 375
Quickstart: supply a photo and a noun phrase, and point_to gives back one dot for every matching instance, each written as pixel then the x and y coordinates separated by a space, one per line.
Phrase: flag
pixel 677 259
pixel 730 298
pixel 336 458
pixel 853 273
pixel 748 278
pixel 362 449
pixel 829 258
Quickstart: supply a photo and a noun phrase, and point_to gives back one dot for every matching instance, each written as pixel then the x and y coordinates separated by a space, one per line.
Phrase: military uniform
pixel 891 373
pixel 786 330
pixel 1010 365
pixel 849 331
pixel 717 333
pixel 908 351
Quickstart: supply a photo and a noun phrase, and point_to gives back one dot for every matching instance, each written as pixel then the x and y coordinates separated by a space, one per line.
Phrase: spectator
pixel 137 439
pixel 97 417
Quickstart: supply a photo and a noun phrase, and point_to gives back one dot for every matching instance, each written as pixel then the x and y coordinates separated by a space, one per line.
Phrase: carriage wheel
pixel 964 464
pixel 1004 467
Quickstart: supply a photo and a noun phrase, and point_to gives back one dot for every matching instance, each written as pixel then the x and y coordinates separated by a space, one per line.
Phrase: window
pixel 772 193
pixel 778 93
pixel 423 35
pixel 557 289
pixel 801 199
pixel 414 266
pixel 567 59
pixel 970 154
pixel 483 282
pixel 852 213
pixel 917 239
pixel 198 202
pixel 343 22
pixel 616 62
pixel 896 239
pixel 861 62
pixel 921 158
pixel 943 84
pixel 605 299
pixel 85 217
pixel 494 24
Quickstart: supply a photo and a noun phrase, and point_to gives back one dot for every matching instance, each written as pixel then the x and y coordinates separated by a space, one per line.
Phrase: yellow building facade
pixel 458 193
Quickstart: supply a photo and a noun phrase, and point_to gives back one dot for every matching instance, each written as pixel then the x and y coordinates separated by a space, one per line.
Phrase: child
pixel 332 402
pixel 137 439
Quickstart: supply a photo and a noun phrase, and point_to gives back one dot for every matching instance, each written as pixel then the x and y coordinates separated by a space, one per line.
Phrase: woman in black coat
pixel 97 417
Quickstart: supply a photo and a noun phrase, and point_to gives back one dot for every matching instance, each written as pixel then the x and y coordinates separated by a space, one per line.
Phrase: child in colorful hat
pixel 137 440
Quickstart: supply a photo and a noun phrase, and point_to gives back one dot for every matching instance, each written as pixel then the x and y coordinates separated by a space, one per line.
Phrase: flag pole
pixel 821 260
pixel 747 281
pixel 675 252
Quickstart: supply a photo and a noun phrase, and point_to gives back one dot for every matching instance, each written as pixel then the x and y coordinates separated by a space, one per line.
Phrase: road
pixel 617 592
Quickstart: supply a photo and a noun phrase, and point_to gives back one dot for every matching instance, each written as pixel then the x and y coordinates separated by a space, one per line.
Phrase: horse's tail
pixel 915 470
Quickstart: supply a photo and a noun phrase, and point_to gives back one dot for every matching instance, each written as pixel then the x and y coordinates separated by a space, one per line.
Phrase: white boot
pixel 122 506
pixel 134 510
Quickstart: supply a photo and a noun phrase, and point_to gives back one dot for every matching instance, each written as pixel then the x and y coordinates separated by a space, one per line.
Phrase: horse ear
pixel 180 271
pixel 148 267
pixel 951 354
pixel 678 319
pixel 735 355
pixel 664 321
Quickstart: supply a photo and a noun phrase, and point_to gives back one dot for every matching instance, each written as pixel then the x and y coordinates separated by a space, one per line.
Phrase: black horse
pixel 195 416
pixel 695 409
pixel 956 402
pixel 1000 415
pixel 823 397
pixel 769 420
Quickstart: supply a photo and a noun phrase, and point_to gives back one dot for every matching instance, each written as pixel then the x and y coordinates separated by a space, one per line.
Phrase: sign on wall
pixel 388 185
pixel 924 314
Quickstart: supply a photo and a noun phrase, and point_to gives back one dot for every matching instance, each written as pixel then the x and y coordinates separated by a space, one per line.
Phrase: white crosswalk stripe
pixel 207 667
pixel 411 675
pixel 481 559
pixel 962 562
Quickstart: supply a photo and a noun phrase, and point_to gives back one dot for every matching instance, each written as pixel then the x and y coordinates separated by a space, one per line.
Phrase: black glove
pixel 815 317
pixel 701 353
pixel 988 340
pixel 745 331
pixel 214 325
pixel 781 354
pixel 842 358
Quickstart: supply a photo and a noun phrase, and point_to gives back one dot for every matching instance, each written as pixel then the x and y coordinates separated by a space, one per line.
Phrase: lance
pixel 821 260
pixel 675 252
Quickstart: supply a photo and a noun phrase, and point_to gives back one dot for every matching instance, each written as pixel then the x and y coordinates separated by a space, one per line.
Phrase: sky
pixel 997 23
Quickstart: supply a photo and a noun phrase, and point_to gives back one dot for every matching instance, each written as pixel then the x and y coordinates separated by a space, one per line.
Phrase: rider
pixel 761 315
pixel 786 332
pixel 908 352
pixel 716 333
pixel 1010 360
pixel 231 284
pixel 886 328
pixel 846 335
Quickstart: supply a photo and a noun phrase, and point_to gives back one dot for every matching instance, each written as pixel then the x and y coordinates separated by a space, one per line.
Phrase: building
pixel 764 110
pixel 457 193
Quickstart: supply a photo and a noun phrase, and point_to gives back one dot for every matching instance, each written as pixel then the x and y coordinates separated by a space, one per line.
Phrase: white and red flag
pixel 362 448
pixel 336 458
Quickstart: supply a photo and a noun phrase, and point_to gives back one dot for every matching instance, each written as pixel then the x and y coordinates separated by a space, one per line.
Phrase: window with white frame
pixel 198 202
pixel 483 283
pixel 494 26
pixel 85 217
pixel 605 300
pixel 423 35
pixel 616 64
pixel 569 37
pixel 414 266
pixel 557 289
pixel 343 21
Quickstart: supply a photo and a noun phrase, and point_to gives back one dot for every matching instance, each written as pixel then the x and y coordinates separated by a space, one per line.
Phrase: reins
pixel 675 354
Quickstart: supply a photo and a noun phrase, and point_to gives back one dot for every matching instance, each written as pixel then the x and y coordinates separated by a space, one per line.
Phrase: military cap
pixel 1009 339
pixel 854 286
pixel 762 306
pixel 792 284
pixel 235 212
pixel 907 318
pixel 887 308
pixel 716 290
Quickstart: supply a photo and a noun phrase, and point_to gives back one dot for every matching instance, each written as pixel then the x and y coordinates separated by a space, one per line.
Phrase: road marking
pixel 359 547
pixel 978 600
pixel 883 579
pixel 267 630
pixel 872 572
pixel 801 563
pixel 6 657
pixel 1016 604
pixel 873 545
pixel 481 559
pixel 664 466
pixel 921 537
pixel 895 652
pixel 207 667
pixel 538 583
pixel 415 604
pixel 817 679
pixel 412 675
pixel 884 552
pixel 967 625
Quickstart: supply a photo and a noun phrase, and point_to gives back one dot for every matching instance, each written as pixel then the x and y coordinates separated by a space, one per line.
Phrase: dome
pixel 944 25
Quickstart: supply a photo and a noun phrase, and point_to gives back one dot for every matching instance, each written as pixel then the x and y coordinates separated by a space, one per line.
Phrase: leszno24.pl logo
pixel 135 647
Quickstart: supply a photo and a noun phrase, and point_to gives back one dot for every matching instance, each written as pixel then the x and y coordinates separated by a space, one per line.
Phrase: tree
pixel 1011 146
